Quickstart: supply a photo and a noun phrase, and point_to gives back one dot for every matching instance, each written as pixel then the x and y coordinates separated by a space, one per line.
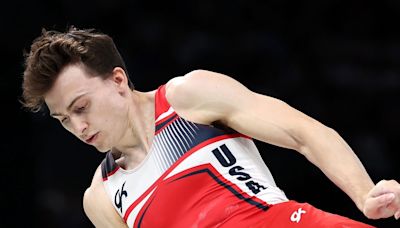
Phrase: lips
pixel 91 139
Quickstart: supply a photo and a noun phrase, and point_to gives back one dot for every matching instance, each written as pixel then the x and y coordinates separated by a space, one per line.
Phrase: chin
pixel 102 149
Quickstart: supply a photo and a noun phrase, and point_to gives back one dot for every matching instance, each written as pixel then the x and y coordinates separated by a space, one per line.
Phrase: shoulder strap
pixel 108 166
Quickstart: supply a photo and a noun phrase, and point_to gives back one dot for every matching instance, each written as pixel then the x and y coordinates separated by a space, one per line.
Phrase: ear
pixel 119 77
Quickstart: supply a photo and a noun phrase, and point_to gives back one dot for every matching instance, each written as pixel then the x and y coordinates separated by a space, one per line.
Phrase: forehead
pixel 72 81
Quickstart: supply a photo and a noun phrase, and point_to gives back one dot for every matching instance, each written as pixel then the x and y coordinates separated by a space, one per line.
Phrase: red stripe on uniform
pixel 169 186
pixel 187 154
pixel 161 104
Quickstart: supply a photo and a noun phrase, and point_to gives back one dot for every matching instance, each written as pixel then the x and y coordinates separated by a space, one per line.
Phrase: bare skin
pixel 110 116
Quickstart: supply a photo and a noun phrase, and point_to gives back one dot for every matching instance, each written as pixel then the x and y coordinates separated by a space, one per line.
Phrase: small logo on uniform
pixel 118 197
pixel 296 216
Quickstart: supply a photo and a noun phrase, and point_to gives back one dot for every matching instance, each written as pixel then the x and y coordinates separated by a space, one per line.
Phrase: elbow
pixel 313 137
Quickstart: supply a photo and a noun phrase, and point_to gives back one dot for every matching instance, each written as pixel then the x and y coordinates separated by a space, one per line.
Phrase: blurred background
pixel 337 61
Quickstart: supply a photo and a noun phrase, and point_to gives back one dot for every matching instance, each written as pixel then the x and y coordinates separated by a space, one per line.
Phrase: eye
pixel 80 109
pixel 64 120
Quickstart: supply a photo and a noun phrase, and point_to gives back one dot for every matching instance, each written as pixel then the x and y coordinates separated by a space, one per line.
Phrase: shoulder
pixel 186 94
pixel 97 205
pixel 184 85
pixel 193 81
pixel 204 96
pixel 200 82
pixel 95 184
pixel 94 195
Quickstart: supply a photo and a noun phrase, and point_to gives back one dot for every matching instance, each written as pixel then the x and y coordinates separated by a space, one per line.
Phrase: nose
pixel 79 126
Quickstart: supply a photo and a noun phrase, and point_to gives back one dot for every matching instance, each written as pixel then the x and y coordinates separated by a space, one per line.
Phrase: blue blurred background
pixel 337 61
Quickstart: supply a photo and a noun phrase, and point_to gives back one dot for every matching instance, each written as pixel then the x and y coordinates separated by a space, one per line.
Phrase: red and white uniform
pixel 195 175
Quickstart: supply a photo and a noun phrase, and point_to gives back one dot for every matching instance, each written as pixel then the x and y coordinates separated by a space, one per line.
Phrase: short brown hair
pixel 53 50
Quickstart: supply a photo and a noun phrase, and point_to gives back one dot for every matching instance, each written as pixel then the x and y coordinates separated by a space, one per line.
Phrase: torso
pixel 194 175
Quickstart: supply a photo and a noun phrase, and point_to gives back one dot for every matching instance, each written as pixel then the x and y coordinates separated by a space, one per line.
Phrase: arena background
pixel 337 61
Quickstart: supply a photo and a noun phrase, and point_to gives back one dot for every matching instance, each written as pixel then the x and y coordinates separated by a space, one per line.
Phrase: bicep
pixel 206 97
pixel 273 121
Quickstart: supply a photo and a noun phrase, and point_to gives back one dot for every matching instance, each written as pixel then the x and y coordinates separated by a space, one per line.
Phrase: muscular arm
pixel 98 207
pixel 206 97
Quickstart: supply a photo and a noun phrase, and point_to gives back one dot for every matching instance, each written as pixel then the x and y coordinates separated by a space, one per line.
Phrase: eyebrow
pixel 69 106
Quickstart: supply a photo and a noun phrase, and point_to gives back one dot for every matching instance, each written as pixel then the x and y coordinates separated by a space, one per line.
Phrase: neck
pixel 136 143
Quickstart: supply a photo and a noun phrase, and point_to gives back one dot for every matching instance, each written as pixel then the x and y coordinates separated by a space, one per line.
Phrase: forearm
pixel 326 149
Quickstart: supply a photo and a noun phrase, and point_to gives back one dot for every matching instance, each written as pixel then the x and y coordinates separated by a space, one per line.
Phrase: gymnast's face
pixel 92 108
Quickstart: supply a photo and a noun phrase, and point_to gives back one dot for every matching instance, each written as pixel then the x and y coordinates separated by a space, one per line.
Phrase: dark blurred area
pixel 337 61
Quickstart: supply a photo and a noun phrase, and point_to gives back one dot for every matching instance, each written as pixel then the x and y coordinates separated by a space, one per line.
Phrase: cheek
pixel 110 117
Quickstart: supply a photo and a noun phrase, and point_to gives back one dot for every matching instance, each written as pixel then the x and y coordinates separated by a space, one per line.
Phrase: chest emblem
pixel 119 195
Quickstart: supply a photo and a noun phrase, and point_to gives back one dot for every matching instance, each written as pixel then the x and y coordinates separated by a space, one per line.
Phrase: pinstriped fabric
pixel 173 141
pixel 176 138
